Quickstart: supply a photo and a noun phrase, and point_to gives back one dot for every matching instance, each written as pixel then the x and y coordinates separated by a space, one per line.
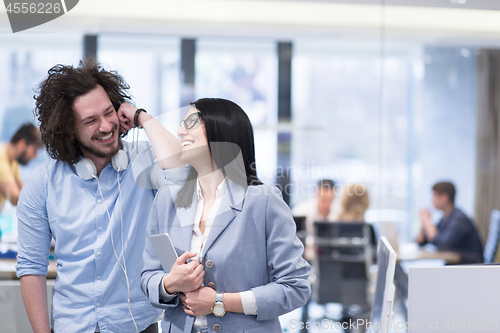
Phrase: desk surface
pixel 8 269
pixel 414 252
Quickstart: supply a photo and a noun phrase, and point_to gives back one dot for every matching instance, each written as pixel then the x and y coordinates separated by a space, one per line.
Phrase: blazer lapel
pixel 232 200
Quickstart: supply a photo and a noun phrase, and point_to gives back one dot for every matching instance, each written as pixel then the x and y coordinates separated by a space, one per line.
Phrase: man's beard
pixel 99 153
pixel 22 159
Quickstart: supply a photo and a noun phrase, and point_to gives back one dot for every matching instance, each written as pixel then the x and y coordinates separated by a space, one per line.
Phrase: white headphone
pixel 86 169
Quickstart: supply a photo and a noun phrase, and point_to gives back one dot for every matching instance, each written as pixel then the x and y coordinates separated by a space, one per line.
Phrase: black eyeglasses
pixel 190 121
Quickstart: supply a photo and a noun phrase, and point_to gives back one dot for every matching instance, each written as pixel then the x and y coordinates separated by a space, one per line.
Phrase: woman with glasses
pixel 240 264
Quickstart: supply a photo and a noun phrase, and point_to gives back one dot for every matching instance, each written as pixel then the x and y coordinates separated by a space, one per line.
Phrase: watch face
pixel 219 310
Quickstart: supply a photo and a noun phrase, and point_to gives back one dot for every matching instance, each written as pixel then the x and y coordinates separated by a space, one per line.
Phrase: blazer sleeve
pixel 289 288
pixel 176 176
pixel 152 272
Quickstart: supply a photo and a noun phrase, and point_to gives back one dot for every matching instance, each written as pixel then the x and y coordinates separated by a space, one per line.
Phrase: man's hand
pixel 425 216
pixel 198 302
pixel 428 228
pixel 126 114
pixel 184 277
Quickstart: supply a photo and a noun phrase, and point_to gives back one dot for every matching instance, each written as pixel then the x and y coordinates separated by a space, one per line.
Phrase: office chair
pixel 300 224
pixel 491 246
pixel 344 254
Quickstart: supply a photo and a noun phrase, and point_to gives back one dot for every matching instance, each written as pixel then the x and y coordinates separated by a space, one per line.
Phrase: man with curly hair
pixel 97 217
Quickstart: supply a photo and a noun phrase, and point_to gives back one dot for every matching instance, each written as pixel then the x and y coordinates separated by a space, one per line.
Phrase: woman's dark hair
pixel 54 104
pixel 229 136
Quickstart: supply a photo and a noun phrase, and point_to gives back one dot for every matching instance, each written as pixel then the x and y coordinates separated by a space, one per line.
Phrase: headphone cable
pixel 124 266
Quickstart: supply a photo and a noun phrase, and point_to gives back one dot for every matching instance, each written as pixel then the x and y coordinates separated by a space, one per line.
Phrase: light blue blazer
pixel 251 246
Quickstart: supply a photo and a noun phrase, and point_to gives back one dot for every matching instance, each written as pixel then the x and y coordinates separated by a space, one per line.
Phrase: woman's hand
pixel 126 114
pixel 184 277
pixel 198 302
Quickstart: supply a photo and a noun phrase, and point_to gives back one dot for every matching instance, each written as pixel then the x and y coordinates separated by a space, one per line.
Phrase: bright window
pixel 244 72
pixel 398 136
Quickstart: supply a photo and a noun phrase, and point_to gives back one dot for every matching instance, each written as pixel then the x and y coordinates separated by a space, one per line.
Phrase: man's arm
pixel 10 182
pixel 421 237
pixel 34 291
pixel 33 243
pixel 10 190
pixel 453 234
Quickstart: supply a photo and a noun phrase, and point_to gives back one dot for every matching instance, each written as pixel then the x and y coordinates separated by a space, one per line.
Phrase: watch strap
pixel 218 297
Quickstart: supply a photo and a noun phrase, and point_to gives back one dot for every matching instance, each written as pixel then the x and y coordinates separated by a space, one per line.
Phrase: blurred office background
pixel 383 93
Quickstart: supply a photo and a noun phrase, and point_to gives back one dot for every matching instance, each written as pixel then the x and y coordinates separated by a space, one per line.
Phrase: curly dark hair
pixel 56 96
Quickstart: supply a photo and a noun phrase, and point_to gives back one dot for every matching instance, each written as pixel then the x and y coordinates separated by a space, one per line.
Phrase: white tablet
pixel 164 250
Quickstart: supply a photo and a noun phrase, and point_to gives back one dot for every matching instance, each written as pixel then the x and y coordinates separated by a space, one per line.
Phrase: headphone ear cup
pixel 120 161
pixel 86 169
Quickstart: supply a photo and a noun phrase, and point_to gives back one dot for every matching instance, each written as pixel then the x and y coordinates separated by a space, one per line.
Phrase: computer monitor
pixel 384 290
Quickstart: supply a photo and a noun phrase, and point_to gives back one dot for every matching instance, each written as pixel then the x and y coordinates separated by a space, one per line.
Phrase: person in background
pixel 319 208
pixel 355 202
pixel 455 231
pixel 21 149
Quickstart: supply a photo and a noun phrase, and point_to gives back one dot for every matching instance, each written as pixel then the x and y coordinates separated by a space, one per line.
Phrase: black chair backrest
pixel 341 282
pixel 339 229
pixel 343 255
pixel 300 223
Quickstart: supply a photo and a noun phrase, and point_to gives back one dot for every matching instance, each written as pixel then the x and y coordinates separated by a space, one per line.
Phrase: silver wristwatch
pixel 218 309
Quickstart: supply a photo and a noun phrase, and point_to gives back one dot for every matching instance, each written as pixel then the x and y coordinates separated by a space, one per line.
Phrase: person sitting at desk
pixel 455 231
pixel 355 202
pixel 319 208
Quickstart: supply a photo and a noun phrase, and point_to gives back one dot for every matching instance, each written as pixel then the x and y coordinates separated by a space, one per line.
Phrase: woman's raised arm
pixel 166 145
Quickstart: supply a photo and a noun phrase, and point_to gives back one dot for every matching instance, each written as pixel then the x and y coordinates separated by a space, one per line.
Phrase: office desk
pixel 411 252
pixel 12 314
pixel 8 269
pixel 411 255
